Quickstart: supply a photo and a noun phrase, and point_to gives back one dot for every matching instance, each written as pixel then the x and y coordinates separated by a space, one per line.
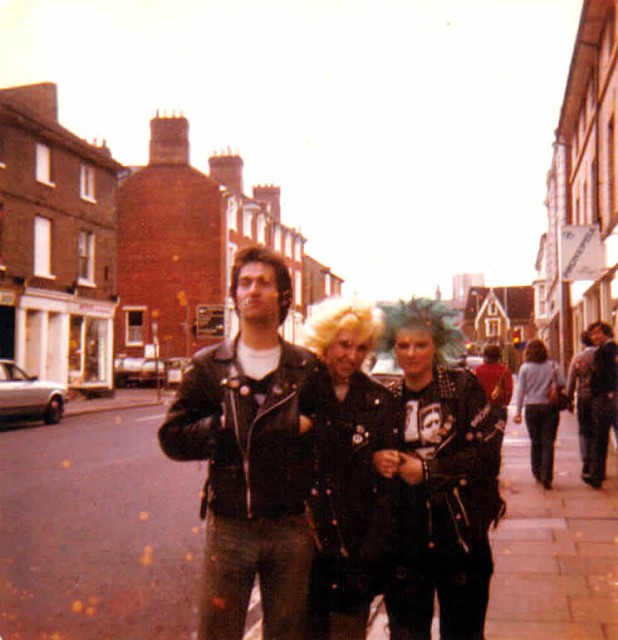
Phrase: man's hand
pixel 386 462
pixel 411 469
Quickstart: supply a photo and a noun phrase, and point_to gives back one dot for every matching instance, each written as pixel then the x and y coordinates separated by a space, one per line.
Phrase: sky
pixel 411 139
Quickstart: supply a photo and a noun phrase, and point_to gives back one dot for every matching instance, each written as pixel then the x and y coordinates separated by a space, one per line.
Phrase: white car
pixel 26 397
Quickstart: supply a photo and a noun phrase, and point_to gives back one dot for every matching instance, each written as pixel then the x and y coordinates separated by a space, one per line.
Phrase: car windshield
pixel 11 371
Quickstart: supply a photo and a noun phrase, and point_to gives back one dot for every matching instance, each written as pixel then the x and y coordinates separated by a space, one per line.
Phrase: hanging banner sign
pixel 581 252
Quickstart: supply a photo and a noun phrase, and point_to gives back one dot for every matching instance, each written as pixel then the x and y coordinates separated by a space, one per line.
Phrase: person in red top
pixel 497 381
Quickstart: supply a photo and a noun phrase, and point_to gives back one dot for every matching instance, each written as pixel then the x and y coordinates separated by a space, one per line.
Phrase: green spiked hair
pixel 424 314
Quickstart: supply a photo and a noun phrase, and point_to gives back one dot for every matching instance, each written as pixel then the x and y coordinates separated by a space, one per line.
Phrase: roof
pixel 518 302
pixel 15 112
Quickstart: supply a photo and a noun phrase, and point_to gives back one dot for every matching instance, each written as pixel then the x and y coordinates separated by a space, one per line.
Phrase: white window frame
pixel 298 250
pixel 42 164
pixel 127 327
pixel 327 284
pixel 492 327
pixel 261 229
pixel 247 220
pixel 42 247
pixel 87 183
pixel 288 244
pixel 298 288
pixel 85 253
pixel 277 239
pixel 232 217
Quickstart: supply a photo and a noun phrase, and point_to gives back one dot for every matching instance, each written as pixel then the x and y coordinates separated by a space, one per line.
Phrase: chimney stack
pixel 169 140
pixel 270 195
pixel 226 169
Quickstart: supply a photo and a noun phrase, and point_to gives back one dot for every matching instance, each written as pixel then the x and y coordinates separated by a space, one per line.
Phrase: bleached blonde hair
pixel 337 314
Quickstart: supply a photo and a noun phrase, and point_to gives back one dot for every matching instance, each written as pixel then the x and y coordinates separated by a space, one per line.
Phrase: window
pixel 288 245
pixel 277 241
pixel 327 285
pixel 492 309
pixel 298 288
pixel 298 250
pixel 42 247
pixel 43 164
pixel 492 327
pixel 231 215
pixel 134 323
pixel 246 223
pixel 87 183
pixel 85 256
pixel 261 229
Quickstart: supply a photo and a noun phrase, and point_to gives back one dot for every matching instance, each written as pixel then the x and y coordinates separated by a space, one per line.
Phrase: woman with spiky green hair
pixel 447 466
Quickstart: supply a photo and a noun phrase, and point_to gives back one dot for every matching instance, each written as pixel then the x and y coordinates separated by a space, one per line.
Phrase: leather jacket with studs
pixel 260 466
pixel 459 439
pixel 351 504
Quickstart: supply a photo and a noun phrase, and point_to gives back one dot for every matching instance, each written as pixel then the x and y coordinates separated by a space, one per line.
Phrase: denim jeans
pixel 542 423
pixel 584 420
pixel 603 417
pixel 280 552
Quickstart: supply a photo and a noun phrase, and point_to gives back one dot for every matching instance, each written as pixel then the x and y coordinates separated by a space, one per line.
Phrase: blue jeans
pixel 280 552
pixel 542 423
pixel 603 417
pixel 584 420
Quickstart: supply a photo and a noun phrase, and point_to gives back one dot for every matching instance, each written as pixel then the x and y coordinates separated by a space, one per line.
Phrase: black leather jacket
pixel 260 465
pixel 452 510
pixel 350 502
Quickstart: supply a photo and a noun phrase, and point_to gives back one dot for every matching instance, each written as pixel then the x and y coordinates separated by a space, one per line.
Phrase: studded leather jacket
pixel 450 426
pixel 259 464
pixel 350 503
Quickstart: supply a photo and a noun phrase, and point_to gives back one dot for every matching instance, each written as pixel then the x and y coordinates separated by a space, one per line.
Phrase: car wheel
pixel 53 412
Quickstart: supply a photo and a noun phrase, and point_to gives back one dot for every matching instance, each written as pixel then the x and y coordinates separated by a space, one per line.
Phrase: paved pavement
pixel 556 552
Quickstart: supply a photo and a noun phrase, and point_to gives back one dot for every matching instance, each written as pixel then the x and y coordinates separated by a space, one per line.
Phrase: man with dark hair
pixel 238 407
pixel 578 381
pixel 603 382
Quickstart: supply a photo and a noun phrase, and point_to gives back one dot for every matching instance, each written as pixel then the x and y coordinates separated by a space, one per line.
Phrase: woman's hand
pixel 305 424
pixel 517 418
pixel 386 462
pixel 411 469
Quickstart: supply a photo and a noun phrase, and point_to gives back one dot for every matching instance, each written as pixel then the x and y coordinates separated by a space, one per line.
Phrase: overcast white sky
pixel 434 118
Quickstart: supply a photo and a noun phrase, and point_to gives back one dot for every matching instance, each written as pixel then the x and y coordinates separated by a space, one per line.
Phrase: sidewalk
pixel 122 399
pixel 555 553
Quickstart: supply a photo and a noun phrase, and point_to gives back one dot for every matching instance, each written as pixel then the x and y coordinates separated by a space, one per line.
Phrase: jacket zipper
pixel 246 453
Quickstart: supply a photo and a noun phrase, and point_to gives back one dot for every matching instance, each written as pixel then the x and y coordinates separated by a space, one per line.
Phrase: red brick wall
pixel 170 240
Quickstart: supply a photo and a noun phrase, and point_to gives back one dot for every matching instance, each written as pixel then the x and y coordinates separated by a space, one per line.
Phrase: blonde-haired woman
pixel 350 504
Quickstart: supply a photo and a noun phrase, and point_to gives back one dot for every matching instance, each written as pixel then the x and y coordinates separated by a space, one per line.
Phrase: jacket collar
pixel 447 389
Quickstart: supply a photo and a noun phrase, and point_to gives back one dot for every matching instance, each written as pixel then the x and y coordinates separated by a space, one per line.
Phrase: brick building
pixel 578 255
pixel 319 282
pixel 178 232
pixel 57 243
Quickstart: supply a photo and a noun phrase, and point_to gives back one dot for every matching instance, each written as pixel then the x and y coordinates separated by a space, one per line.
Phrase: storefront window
pixel 87 350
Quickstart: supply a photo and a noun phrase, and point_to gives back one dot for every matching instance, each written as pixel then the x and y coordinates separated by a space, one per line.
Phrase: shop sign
pixel 209 320
pixel 581 252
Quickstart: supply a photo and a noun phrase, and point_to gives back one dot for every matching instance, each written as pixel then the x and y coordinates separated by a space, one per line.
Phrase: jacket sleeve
pixel 473 453
pixel 521 390
pixel 190 426
pixel 508 385
pixel 571 379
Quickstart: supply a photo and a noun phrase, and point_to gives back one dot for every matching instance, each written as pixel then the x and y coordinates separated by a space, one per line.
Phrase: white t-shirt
pixel 258 363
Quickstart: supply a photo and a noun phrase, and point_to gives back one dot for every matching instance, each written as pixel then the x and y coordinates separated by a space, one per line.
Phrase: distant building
pixel 578 254
pixel 461 286
pixel 57 243
pixel 179 230
pixel 319 282
pixel 502 316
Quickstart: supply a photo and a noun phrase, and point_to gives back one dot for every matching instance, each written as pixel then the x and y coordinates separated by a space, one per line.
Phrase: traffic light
pixel 517 338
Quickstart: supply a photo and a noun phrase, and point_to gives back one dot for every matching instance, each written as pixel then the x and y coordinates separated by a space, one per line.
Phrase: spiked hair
pixel 424 314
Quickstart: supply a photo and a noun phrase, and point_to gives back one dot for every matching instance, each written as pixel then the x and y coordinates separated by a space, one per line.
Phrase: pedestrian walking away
pixel 351 504
pixel 536 376
pixel 603 383
pixel 578 382
pixel 238 407
pixel 447 469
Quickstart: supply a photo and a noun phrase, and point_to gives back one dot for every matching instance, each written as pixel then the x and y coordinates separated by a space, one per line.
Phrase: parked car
pixel 26 397
pixel 136 372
